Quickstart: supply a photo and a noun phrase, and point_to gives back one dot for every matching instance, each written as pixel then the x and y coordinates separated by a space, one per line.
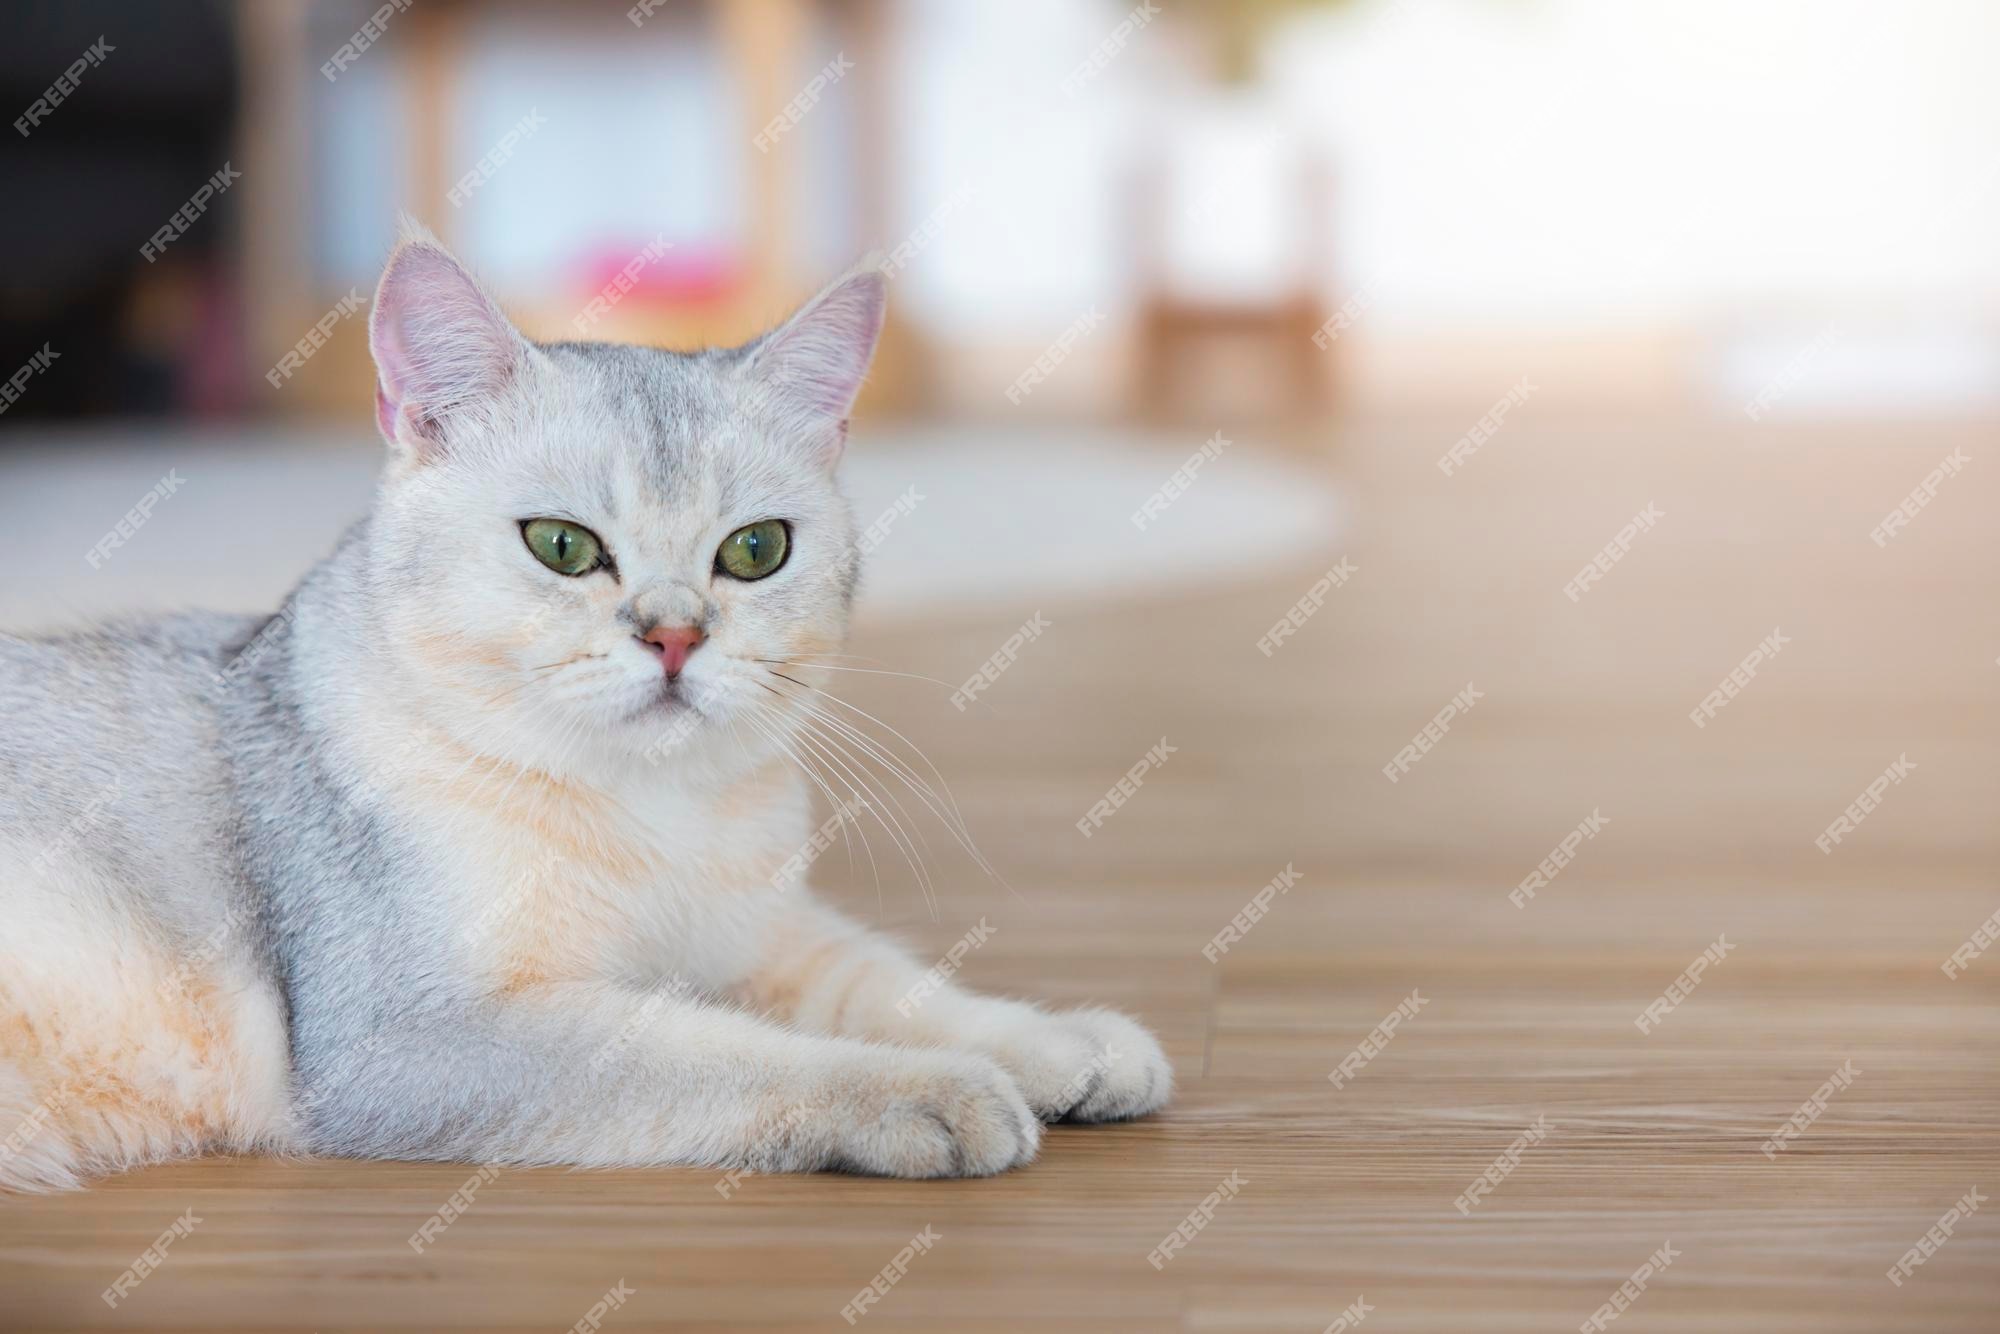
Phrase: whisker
pixel 895 764
pixel 903 774
pixel 891 823
pixel 954 822
pixel 915 749
pixel 774 736
pixel 935 772
pixel 870 671
pixel 833 743
pixel 770 734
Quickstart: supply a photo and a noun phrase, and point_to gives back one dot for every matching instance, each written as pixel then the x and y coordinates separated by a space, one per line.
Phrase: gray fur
pixel 278 816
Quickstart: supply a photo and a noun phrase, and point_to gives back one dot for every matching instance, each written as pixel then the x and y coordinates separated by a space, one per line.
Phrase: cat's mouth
pixel 684 705
pixel 675 702
pixel 671 696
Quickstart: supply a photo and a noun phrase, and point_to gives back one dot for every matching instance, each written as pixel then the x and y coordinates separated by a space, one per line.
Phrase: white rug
pixel 1004 516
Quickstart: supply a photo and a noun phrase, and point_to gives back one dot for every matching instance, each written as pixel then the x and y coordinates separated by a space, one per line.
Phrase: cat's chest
pixel 568 882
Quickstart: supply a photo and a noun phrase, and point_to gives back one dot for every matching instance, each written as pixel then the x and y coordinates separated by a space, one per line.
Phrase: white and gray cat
pixel 475 849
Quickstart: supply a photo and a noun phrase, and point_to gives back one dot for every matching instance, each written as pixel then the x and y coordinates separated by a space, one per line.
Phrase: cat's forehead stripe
pixel 664 416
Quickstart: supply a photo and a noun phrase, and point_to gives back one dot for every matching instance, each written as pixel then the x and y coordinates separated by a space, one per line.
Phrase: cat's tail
pixel 113 1053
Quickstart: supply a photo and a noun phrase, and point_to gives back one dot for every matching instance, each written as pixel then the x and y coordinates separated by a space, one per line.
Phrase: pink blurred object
pixel 690 276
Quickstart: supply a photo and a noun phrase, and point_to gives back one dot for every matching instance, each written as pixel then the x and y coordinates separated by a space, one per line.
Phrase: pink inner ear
pixel 821 355
pixel 439 344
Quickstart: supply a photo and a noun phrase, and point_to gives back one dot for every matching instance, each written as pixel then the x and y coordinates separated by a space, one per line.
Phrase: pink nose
pixel 673 643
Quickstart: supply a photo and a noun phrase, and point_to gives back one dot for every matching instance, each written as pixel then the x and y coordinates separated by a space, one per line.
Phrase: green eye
pixel 564 547
pixel 755 551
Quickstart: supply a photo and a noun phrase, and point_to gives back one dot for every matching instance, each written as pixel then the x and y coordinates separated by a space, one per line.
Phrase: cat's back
pixel 137 1015
pixel 139 686
pixel 109 738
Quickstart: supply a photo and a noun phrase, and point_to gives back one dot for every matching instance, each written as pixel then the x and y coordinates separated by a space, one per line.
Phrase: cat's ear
pixel 442 348
pixel 811 367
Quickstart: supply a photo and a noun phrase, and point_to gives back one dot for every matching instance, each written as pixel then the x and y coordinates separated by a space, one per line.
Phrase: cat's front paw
pixel 933 1114
pixel 1085 1065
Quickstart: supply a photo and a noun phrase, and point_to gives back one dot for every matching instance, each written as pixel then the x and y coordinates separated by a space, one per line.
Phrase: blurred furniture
pixel 692 298
pixel 109 143
pixel 1201 297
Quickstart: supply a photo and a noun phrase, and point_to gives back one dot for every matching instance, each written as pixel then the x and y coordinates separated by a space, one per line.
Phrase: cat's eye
pixel 754 551
pixel 567 548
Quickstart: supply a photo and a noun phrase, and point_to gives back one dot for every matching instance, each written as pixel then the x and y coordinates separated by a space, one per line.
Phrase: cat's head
pixel 589 546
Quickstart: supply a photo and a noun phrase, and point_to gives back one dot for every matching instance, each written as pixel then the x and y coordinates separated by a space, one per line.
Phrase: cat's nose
pixel 673 643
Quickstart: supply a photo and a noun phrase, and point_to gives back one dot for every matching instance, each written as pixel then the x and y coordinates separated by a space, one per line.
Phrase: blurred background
pixel 1679 196
pixel 1194 303
pixel 1113 231
pixel 1684 194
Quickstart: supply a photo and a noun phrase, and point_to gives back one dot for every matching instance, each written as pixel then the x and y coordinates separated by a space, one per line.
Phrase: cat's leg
pixel 123 1042
pixel 823 972
pixel 599 1076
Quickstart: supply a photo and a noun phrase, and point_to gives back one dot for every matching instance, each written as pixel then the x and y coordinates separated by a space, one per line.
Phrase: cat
pixel 474 851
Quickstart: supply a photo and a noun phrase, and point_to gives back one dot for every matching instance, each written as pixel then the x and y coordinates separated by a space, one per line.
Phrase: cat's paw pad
pixel 938 1114
pixel 1087 1065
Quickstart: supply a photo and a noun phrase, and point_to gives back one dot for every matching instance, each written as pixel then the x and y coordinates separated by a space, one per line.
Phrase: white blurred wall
pixel 1571 161
pixel 1513 162
pixel 1752 170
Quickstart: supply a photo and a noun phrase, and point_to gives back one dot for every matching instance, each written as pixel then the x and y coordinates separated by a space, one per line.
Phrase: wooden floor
pixel 1348 1192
